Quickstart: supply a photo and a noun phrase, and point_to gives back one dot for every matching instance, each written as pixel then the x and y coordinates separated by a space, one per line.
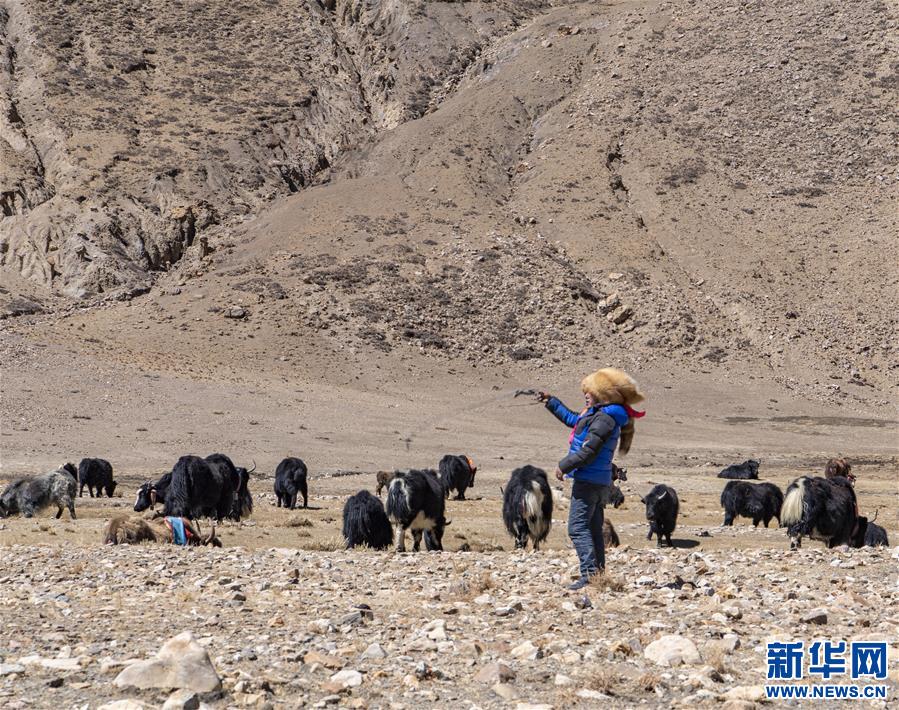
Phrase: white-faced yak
pixel 415 501
pixel 822 509
pixel 528 506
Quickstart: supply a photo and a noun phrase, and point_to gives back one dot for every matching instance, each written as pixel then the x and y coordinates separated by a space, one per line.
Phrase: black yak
pixel 415 500
pixel 615 497
pixel 822 509
pixel 201 487
pixel 456 474
pixel 383 479
pixel 31 495
pixel 741 471
pixel 96 474
pixel 761 502
pixel 290 480
pixel 875 535
pixel 528 506
pixel 243 499
pixel 365 522
pixel 123 530
pixel 661 512
pixel 149 494
pixel 618 473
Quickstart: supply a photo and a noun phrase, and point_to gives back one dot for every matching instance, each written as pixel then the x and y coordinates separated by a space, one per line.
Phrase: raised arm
pixel 563 413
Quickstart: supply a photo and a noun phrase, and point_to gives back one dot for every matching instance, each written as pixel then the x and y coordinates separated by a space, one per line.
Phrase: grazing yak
pixel 149 494
pixel 383 479
pixel 839 467
pixel 761 502
pixel 29 496
pixel 365 523
pixel 243 499
pixel 609 536
pixel 823 509
pixel 456 474
pixel 528 506
pixel 201 487
pixel 661 511
pixel 741 471
pixel 95 474
pixel 123 530
pixel 415 500
pixel 290 480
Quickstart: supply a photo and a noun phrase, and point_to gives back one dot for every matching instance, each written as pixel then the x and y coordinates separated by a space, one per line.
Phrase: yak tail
pixel 533 511
pixel 398 500
pixel 627 437
pixel 791 510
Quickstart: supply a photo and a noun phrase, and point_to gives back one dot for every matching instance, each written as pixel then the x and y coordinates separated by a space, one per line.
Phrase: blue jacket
pixel 593 441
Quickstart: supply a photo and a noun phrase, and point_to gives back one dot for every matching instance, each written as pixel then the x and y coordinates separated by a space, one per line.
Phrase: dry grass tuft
pixel 606 582
pixel 648 681
pixel 604 680
pixel 298 522
pixel 716 658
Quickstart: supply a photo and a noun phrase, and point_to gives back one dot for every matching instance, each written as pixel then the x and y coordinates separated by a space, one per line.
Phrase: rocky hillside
pixel 129 133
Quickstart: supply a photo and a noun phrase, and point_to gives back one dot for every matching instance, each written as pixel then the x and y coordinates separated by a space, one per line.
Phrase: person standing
pixel 606 422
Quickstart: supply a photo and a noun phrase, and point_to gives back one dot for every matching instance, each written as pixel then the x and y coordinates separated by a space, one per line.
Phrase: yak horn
pixel 152 496
pixel 254 467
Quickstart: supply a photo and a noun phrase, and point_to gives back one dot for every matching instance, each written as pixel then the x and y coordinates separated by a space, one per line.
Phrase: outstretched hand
pixel 542 396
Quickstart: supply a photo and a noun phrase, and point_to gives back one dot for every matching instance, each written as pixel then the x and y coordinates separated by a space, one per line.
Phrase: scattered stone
pixel 182 700
pixel 526 651
pixel 374 651
pixel 11 669
pixel 495 673
pixel 180 663
pixel 126 704
pixel 236 312
pixel 815 616
pixel 672 650
pixel 505 691
pixel 750 693
pixel 347 678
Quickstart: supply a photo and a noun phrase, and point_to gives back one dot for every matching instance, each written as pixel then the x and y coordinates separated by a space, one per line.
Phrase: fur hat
pixel 613 386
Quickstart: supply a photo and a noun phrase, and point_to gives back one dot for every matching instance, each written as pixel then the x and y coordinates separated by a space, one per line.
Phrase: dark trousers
pixel 585 520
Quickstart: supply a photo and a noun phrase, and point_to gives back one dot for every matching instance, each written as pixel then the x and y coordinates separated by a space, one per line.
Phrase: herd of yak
pixel 822 508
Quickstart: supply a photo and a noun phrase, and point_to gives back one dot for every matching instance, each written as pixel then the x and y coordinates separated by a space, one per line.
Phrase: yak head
pixel 110 488
pixel 146 497
pixel 619 474
pixel 473 468
pixel 653 503
pixel 616 497
pixel 70 469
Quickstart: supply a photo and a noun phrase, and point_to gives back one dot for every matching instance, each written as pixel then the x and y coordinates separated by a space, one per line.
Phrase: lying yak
pixel 290 480
pixel 149 494
pixel 365 523
pixel 875 535
pixel 741 471
pixel 201 488
pixel 822 509
pixel 31 495
pixel 415 501
pixel 456 474
pixel 528 506
pixel 661 511
pixel 609 536
pixel 123 530
pixel 96 474
pixel 761 502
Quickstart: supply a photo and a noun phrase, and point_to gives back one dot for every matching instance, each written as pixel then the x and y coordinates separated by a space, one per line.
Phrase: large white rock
pixel 180 663
pixel 347 678
pixel 672 650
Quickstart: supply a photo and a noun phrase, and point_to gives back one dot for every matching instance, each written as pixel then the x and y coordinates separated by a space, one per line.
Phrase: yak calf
pixel 761 502
pixel 661 511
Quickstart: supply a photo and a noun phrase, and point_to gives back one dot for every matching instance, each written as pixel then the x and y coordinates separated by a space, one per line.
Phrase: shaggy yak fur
pixel 661 511
pixel 615 497
pixel 875 535
pixel 741 471
pixel 839 467
pixel 123 530
pixel 201 487
pixel 290 480
pixel 761 502
pixel 823 509
pixel 365 523
pixel 31 495
pixel 96 474
pixel 243 499
pixel 415 500
pixel 456 474
pixel 528 506
pixel 149 494
pixel 609 536
pixel 383 479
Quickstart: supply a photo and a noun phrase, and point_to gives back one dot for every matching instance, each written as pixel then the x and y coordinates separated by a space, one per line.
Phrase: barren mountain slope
pixel 129 132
